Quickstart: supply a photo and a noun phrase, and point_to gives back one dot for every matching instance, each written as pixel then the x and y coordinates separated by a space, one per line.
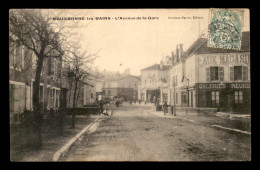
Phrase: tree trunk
pixel 70 85
pixel 74 104
pixel 36 139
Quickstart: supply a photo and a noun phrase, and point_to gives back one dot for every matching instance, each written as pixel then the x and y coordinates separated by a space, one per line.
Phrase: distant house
pixel 155 83
pixel 125 87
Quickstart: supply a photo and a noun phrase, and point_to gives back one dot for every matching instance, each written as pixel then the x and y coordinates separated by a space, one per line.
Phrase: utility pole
pixel 174 102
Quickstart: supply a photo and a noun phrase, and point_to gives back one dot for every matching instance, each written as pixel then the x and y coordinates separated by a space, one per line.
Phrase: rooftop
pixel 157 67
pixel 200 46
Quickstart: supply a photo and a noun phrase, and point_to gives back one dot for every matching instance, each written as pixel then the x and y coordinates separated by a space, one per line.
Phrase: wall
pixel 225 60
pixel 190 70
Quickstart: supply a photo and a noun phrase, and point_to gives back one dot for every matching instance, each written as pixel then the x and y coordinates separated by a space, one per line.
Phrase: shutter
pixel 52 66
pixel 49 65
pixel 22 56
pixel 245 73
pixel 231 73
pixel 18 57
pixel 221 73
pixel 11 56
pixel 207 74
pixel 59 69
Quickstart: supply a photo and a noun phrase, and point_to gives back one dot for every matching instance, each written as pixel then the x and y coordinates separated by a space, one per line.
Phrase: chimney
pixel 177 54
pixel 173 58
pixel 181 51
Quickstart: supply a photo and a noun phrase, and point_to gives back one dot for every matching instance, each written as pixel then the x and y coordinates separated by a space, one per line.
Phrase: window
pixel 109 92
pixel 215 73
pixel 238 73
pixel 238 97
pixel 52 66
pixel 91 95
pixel 215 97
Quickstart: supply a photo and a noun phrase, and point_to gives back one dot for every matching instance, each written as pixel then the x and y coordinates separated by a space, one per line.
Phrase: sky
pixel 137 44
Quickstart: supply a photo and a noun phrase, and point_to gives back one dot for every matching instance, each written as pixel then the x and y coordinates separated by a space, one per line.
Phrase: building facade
pixel 125 87
pixel 213 78
pixel 22 70
pixel 155 83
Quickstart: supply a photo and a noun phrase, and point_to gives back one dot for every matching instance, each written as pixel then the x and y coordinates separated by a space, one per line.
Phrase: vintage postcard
pixel 129 85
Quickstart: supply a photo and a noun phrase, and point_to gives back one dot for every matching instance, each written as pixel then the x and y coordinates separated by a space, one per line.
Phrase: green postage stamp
pixel 225 28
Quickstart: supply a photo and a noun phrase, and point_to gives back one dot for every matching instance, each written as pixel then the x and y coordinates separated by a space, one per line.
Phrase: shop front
pixel 227 97
pixel 153 95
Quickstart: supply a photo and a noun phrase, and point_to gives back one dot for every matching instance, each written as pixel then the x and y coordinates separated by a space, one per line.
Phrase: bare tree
pixel 80 69
pixel 31 29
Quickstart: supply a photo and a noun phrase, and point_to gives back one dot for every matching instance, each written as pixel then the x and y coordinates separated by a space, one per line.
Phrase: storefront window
pixel 238 97
pixel 215 97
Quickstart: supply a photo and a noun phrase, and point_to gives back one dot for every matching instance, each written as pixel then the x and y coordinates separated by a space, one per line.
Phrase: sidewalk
pixel 52 141
pixel 233 122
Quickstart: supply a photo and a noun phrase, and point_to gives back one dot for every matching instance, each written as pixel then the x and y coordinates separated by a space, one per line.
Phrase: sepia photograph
pixel 130 85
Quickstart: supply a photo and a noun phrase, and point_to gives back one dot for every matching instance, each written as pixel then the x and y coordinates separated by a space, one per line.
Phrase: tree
pixel 32 29
pixel 79 70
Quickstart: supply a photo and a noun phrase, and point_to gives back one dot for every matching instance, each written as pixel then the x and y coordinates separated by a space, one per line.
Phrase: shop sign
pixel 222 85
pixel 212 86
pixel 223 59
pixel 240 85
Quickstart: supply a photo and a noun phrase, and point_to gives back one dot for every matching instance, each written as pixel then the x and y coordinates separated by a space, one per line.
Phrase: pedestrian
pixel 101 106
pixel 165 107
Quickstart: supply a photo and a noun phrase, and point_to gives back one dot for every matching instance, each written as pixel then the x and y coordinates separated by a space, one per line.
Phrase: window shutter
pixel 59 69
pixel 49 65
pixel 221 73
pixel 231 73
pixel 11 55
pixel 18 61
pixel 52 66
pixel 207 74
pixel 245 73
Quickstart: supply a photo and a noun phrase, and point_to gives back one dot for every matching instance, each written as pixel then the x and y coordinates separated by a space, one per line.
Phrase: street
pixel 134 134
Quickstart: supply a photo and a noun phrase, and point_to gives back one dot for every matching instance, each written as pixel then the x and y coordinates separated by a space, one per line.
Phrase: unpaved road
pixel 133 134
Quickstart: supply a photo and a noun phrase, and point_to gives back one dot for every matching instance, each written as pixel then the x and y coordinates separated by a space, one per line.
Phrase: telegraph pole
pixel 174 103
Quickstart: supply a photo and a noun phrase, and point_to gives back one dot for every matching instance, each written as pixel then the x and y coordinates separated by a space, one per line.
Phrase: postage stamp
pixel 225 28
